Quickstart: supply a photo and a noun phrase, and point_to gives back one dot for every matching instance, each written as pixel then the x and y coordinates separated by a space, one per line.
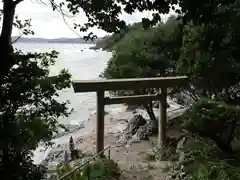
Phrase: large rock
pixel 146 130
pixel 134 124
pixel 55 156
pixel 142 134
pixel 131 129
pixel 134 139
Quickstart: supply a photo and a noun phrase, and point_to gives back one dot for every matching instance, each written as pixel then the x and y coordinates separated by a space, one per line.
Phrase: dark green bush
pixel 214 126
pixel 209 171
pixel 214 120
pixel 207 161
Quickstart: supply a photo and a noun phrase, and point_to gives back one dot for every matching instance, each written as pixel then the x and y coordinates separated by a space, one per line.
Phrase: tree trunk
pixel 149 108
pixel 7 60
pixel 7 166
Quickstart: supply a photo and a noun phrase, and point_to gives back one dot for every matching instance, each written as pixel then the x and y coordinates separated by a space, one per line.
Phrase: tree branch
pixel 16 2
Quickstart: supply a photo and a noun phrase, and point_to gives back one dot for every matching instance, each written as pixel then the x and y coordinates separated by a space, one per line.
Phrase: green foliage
pixel 29 99
pixel 100 169
pixel 166 153
pixel 206 114
pixel 23 26
pixel 30 108
pixel 209 171
pixel 144 53
pixel 207 42
pixel 109 42
pixel 214 120
pixel 131 57
pixel 207 161
pixel 210 150
pixel 209 52
pixel 198 148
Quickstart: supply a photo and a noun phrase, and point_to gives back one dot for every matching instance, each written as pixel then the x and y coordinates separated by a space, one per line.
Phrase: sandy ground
pixel 129 157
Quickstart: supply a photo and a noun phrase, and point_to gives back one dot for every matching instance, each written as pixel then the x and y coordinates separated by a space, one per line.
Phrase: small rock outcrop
pixel 146 130
pixel 134 124
pixel 177 173
pixel 137 129
pixel 132 129
pixel 142 134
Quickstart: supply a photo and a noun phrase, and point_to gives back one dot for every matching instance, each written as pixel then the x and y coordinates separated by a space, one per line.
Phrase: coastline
pixel 86 132
pixel 116 121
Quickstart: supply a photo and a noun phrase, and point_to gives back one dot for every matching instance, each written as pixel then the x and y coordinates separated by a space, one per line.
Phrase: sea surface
pixel 83 63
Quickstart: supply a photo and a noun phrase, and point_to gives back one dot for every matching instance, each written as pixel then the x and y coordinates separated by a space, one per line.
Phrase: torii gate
pixel 100 86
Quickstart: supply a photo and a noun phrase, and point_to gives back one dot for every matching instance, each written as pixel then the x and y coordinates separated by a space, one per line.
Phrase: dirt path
pixel 133 163
pixel 130 158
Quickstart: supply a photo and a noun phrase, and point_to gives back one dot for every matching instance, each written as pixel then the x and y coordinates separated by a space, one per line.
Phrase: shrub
pixel 168 152
pixel 200 148
pixel 207 161
pixel 211 170
pixel 99 169
pixel 214 127
pixel 214 120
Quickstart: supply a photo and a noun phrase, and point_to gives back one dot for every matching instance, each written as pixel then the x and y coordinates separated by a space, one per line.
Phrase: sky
pixel 50 24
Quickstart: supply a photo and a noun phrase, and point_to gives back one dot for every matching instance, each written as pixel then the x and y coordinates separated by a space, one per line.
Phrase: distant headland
pixel 55 40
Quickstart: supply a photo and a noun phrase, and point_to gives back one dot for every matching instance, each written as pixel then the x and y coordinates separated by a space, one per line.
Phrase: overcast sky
pixel 50 24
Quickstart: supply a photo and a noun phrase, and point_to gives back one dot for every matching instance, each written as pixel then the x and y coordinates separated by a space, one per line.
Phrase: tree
pixel 29 111
pixel 28 105
pixel 210 54
pixel 108 42
pixel 143 53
